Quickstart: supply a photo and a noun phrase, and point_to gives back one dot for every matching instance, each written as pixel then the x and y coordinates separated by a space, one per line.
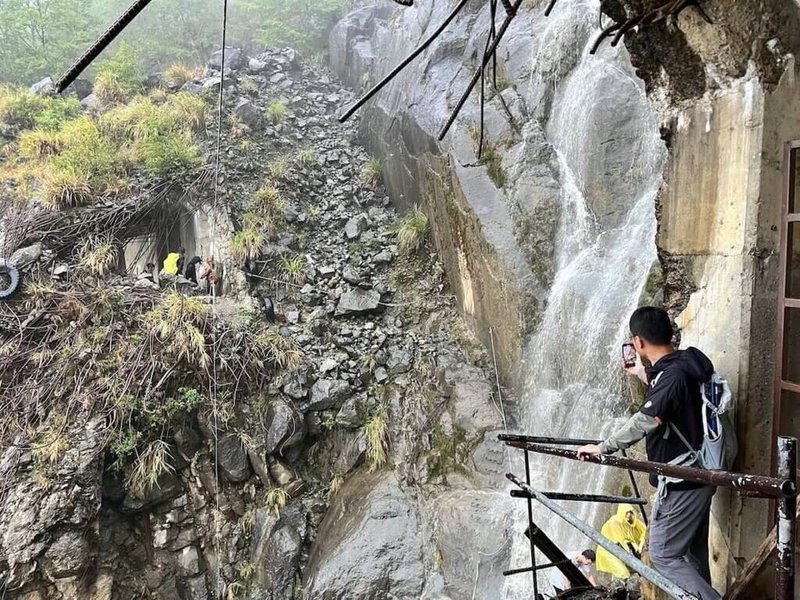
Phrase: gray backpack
pixel 719 447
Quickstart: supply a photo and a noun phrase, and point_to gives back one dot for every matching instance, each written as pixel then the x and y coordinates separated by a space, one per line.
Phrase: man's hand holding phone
pixel 632 362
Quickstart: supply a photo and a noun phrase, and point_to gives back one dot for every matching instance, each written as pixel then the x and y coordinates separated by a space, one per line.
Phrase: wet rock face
pixel 372 519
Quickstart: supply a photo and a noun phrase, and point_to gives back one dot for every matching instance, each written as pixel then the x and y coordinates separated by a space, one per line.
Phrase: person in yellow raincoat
pixel 172 264
pixel 626 530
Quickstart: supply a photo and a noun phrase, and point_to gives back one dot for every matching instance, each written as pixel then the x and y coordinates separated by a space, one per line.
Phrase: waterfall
pixel 575 387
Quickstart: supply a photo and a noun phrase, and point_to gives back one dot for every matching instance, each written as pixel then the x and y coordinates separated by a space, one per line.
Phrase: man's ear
pixel 638 344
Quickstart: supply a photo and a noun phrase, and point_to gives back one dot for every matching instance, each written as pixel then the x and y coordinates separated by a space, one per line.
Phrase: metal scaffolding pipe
pixel 786 521
pixel 771 487
pixel 101 44
pixel 584 498
pixel 537 568
pixel 634 563
pixel 406 61
pixel 553 441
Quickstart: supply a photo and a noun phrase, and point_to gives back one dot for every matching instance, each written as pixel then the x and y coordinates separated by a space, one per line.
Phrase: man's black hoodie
pixel 673 396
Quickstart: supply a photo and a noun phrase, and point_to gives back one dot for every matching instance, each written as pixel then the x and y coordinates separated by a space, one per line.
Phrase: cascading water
pixel 575 385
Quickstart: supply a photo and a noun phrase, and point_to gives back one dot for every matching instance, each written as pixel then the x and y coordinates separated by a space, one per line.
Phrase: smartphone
pixel 628 355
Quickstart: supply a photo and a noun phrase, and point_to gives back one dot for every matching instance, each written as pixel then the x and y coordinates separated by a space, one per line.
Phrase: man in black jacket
pixel 679 522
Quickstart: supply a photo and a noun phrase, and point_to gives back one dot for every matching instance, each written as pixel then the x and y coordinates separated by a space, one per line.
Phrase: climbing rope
pixel 213 384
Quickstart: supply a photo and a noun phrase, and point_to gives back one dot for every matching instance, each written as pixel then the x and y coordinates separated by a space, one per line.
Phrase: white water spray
pixel 575 387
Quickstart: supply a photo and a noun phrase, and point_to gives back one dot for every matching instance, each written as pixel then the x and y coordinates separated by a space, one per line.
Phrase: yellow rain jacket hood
pixel 618 530
pixel 171 263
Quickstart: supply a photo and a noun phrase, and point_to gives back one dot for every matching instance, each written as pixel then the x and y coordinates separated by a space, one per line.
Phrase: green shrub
pixel 20 107
pixel 246 244
pixel 56 112
pixel 269 202
pixel 178 74
pixel 376 431
pixel 169 155
pixel 118 77
pixel 65 188
pixel 277 112
pixel 412 230
pixel 98 255
pixel 278 169
pixel 372 173
pixel 294 269
pixel 305 158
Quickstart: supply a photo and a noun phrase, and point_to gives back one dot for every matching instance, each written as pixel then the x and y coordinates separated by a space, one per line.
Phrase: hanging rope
pixel 213 386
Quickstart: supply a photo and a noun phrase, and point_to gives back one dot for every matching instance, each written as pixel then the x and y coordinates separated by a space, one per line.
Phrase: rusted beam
pixel 770 487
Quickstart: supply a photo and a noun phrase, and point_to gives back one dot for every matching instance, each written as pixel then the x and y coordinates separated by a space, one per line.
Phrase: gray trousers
pixel 679 539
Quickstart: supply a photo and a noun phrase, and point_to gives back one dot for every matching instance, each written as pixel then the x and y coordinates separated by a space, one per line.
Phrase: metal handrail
pixel 783 488
pixel 760 485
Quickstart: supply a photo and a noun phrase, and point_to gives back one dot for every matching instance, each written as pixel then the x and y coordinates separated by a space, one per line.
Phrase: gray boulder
pixel 248 113
pixel 92 103
pixel 369 544
pixel 68 555
pixel 232 458
pixel 193 588
pixel 286 427
pixel 27 255
pixel 472 527
pixel 327 394
pixel 275 552
pixel 43 87
pixel 358 301
pixel 400 360
pixel 192 87
pixel 351 275
pixel 189 561
pixel 355 226
pixel 256 66
pixel 234 59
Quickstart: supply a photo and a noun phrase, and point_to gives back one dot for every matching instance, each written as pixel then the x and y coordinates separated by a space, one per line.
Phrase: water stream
pixel 575 387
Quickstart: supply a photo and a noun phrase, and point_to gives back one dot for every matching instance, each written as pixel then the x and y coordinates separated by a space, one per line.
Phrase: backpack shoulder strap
pixel 682 437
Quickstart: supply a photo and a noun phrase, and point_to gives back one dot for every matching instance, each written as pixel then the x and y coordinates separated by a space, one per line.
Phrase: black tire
pixel 11 279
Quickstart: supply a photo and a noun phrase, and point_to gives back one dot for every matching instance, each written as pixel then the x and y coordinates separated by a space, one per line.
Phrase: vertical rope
pixel 220 114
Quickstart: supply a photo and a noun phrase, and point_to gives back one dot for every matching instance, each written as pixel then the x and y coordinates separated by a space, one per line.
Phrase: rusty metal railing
pixel 782 488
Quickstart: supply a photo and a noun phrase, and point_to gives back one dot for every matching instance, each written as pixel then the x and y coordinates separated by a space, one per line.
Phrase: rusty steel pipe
pixel 786 521
pixel 101 44
pixel 553 441
pixel 772 487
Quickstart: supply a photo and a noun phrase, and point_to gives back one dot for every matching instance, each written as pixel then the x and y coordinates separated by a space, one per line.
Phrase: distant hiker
pixel 191 269
pixel 208 274
pixel 583 561
pixel 628 532
pixel 672 410
pixel 171 263
pixel 148 272
pixel 147 278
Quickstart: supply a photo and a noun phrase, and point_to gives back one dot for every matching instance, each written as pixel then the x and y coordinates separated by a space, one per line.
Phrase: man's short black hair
pixel 590 555
pixel 652 325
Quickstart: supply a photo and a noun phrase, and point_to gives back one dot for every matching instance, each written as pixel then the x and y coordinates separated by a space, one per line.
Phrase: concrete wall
pixel 720 207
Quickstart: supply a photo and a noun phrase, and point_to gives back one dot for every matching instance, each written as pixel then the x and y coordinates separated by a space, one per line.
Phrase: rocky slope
pixel 365 471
